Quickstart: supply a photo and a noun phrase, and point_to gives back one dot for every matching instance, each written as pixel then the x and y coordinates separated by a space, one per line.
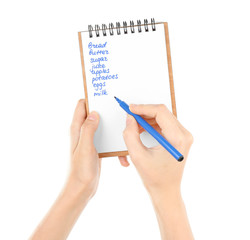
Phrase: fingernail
pixel 92 116
pixel 128 120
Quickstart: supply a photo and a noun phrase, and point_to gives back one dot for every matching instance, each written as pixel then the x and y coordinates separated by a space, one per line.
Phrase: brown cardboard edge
pixel 83 72
pixel 113 154
pixel 170 70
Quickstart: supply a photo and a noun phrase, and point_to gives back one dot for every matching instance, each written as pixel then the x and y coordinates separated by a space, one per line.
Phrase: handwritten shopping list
pixel 100 70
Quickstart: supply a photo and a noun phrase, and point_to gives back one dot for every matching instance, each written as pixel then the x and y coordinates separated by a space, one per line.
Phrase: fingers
pixel 163 117
pixel 171 129
pixel 88 130
pixel 131 137
pixel 158 111
pixel 78 119
pixel 124 161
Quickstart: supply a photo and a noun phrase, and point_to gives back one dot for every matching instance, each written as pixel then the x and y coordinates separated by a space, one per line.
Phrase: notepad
pixel 131 62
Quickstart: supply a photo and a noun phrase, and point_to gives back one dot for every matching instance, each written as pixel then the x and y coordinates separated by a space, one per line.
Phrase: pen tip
pixel 180 158
pixel 114 97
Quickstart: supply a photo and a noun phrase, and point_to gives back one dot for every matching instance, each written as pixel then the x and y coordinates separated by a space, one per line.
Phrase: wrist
pixel 168 206
pixel 77 191
pixel 171 215
pixel 166 198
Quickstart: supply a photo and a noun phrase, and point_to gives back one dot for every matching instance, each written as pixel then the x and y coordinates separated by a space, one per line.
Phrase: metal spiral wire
pixel 112 29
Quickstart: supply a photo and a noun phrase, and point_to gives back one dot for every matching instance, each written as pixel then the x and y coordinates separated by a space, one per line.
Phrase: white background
pixel 41 81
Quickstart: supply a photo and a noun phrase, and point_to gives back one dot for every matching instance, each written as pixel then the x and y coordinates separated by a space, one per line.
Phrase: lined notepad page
pixel 132 67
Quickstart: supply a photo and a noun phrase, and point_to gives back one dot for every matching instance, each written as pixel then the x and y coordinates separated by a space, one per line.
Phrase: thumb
pixel 132 139
pixel 88 130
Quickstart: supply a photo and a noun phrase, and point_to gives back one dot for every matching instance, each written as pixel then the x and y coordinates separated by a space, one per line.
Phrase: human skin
pixel 160 172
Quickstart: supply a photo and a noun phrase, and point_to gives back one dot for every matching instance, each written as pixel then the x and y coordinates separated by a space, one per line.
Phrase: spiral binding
pixel 117 29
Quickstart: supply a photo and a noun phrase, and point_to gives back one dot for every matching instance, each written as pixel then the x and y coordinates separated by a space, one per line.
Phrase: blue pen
pixel 177 155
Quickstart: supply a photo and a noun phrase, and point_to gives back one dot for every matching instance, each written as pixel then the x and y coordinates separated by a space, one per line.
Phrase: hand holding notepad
pixel 130 62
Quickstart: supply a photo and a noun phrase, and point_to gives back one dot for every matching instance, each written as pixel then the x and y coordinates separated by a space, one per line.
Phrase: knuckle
pixel 185 139
pixel 88 123
pixel 181 140
pixel 189 138
pixel 162 107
